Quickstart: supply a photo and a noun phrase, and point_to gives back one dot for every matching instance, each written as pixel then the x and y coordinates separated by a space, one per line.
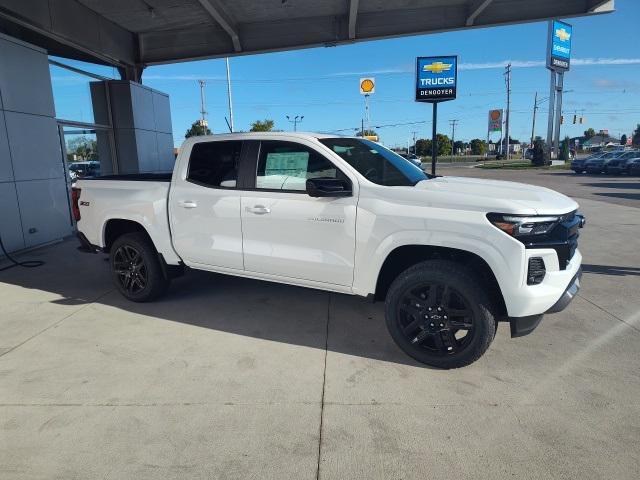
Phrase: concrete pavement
pixel 234 378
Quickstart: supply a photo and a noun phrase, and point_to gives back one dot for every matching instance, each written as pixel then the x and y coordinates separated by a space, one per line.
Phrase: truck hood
pixel 496 196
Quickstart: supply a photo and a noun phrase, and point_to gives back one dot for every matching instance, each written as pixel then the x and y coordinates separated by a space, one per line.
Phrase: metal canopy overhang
pixel 134 33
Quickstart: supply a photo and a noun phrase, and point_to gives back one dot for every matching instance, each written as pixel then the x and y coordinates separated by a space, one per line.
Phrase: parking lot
pixel 235 378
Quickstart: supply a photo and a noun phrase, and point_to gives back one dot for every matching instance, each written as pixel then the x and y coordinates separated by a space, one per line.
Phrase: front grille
pixel 563 239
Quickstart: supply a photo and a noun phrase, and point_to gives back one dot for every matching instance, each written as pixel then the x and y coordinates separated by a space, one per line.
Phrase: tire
pixel 430 335
pixel 136 269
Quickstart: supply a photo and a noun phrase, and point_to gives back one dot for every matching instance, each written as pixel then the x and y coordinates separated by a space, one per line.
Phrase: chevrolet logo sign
pixel 562 34
pixel 437 67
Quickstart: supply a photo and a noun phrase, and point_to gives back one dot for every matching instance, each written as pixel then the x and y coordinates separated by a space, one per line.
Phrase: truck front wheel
pixel 437 313
pixel 136 269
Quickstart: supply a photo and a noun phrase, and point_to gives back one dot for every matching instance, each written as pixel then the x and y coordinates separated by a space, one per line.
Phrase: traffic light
pixel 581 119
pixel 575 118
pixel 561 119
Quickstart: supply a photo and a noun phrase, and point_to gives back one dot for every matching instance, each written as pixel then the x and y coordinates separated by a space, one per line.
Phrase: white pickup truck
pixel 449 256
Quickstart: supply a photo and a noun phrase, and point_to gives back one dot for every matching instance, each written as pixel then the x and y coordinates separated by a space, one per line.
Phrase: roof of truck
pixel 240 135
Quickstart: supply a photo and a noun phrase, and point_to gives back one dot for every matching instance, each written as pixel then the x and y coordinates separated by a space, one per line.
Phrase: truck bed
pixel 136 177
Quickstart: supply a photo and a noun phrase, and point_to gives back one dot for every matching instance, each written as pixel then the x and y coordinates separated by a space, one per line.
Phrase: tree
pixel 589 133
pixel 197 129
pixel 635 139
pixel 539 153
pixel 444 145
pixel 623 139
pixel 265 125
pixel 423 147
pixel 459 146
pixel 81 148
pixel 367 133
pixel 478 147
pixel 564 150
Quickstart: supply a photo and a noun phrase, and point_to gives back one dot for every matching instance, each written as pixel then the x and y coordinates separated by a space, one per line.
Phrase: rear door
pixel 288 233
pixel 205 206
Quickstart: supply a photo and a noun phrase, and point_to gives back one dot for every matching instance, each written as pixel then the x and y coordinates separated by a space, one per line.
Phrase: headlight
pixel 523 226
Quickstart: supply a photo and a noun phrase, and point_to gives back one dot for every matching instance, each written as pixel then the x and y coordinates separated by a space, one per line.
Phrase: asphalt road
pixel 616 189
pixel 229 378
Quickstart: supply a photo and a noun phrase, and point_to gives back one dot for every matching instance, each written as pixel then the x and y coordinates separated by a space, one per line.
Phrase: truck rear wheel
pixel 136 268
pixel 438 314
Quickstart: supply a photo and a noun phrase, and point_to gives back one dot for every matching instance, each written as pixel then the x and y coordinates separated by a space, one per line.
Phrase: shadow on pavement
pixel 610 270
pixel 628 196
pixel 253 308
pixel 632 185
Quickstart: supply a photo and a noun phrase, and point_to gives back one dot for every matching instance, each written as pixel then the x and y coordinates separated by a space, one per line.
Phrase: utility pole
pixel 229 96
pixel 533 126
pixel 203 112
pixel 414 143
pixel 453 124
pixel 507 75
pixel 296 120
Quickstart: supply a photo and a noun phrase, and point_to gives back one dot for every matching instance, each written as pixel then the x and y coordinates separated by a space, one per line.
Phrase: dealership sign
pixel 495 121
pixel 436 78
pixel 559 46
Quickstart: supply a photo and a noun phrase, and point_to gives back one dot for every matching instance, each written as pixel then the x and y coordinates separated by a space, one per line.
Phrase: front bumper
pixel 521 326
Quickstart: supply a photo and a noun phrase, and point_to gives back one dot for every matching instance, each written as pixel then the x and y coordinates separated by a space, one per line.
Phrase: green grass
pixel 521 166
pixel 456 159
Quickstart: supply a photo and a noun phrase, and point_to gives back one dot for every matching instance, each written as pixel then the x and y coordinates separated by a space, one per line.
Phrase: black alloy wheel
pixel 436 317
pixel 136 269
pixel 130 268
pixel 439 313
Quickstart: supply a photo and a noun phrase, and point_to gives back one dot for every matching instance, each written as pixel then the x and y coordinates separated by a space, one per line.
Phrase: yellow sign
pixel 562 34
pixel 367 86
pixel 437 67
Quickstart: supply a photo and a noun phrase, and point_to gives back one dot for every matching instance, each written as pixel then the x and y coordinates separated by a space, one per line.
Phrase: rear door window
pixel 215 164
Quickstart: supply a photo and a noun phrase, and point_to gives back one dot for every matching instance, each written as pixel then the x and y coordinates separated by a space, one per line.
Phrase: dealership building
pixel 127 124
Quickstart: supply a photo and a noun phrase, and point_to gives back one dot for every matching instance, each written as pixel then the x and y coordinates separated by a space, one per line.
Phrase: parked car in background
pixel 84 169
pixel 578 164
pixel 619 165
pixel 599 164
pixel 528 154
pixel 413 158
pixel 633 166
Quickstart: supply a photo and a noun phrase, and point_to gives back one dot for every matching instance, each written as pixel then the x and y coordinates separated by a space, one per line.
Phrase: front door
pixel 205 207
pixel 290 234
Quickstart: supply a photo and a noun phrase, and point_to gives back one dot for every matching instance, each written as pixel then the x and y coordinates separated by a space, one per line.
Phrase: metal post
pixel 552 96
pixel 507 119
pixel 556 134
pixel 229 96
pixel 367 113
pixel 434 138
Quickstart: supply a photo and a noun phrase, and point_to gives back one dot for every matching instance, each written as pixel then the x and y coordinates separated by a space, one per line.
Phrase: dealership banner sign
pixel 559 46
pixel 495 121
pixel 436 78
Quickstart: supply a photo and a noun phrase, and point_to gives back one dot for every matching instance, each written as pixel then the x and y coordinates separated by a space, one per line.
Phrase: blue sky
pixel 322 83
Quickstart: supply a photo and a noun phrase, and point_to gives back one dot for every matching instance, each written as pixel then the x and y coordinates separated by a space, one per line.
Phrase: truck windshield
pixel 375 162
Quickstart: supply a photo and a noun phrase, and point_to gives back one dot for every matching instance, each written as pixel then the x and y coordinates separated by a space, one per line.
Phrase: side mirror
pixel 328 187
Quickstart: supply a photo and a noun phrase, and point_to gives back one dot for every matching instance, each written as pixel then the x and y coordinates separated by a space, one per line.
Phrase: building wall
pixel 142 125
pixel 34 197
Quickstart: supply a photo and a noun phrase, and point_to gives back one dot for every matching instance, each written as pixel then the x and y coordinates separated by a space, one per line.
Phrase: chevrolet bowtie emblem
pixel 562 34
pixel 437 67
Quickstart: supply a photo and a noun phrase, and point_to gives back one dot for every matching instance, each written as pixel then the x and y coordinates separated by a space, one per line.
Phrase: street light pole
pixel 297 119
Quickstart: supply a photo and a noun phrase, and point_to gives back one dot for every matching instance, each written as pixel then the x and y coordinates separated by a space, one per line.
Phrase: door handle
pixel 259 209
pixel 187 204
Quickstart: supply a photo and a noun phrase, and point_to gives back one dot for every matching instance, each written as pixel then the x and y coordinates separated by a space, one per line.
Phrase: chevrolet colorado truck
pixel 450 256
